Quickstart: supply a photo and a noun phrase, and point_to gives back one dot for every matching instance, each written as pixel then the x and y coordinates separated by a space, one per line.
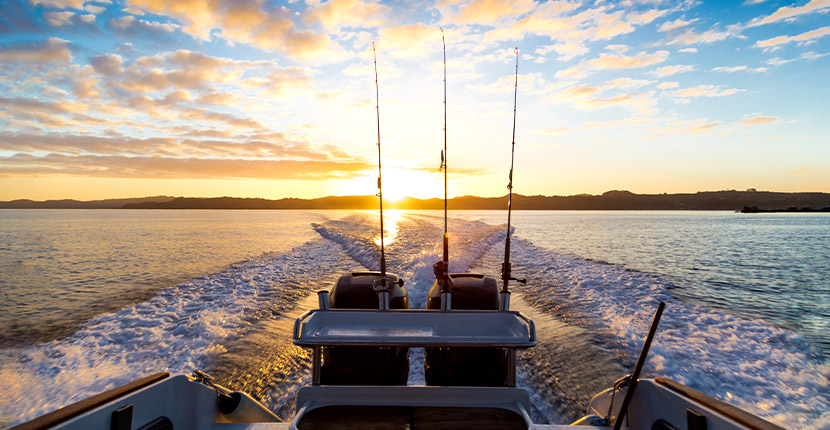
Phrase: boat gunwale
pixel 732 412
pixel 77 409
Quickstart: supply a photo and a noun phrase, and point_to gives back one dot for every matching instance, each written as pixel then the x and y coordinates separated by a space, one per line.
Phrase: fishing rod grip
pixel 639 367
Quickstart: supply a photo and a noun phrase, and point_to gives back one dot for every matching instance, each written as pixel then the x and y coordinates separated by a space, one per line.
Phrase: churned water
pixel 94 299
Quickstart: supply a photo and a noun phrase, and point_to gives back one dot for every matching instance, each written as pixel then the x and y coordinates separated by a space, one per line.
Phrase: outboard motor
pixel 365 365
pixel 467 366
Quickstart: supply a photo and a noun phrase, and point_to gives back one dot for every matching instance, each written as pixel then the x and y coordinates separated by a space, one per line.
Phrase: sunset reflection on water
pixel 391 219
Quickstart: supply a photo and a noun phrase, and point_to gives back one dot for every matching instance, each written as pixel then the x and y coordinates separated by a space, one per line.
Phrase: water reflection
pixel 391 219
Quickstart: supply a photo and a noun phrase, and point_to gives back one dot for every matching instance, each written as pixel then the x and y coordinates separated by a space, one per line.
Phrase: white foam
pixel 176 331
pixel 765 370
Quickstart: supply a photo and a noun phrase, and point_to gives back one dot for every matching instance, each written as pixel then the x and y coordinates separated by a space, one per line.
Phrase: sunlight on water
pixel 391 219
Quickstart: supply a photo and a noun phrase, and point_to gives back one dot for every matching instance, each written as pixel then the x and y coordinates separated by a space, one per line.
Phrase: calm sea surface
pixel 90 299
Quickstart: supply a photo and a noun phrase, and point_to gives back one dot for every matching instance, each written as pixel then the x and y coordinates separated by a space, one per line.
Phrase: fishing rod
pixel 381 286
pixel 445 266
pixel 505 266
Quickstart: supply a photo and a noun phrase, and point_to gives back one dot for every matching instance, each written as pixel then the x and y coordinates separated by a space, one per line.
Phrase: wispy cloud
pixel 733 69
pixel 672 70
pixel 674 25
pixel 803 38
pixel 799 171
pixel 704 91
pixel 117 166
pixel 790 13
pixel 759 119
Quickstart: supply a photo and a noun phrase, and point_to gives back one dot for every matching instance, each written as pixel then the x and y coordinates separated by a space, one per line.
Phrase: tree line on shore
pixel 752 201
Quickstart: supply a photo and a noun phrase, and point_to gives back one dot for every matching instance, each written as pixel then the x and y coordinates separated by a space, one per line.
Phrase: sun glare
pixel 391 219
pixel 397 184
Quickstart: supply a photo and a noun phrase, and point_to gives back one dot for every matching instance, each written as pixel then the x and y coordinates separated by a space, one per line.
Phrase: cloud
pixel 335 14
pixel 185 69
pixel 587 97
pixel 803 38
pixel 799 171
pixel 259 145
pixel 58 19
pixel 620 61
pixel 107 64
pixel 488 11
pixel 53 50
pixel 672 70
pixel 705 91
pixel 625 83
pixel 247 21
pixel 159 167
pixel 566 50
pixel 690 37
pixel 813 55
pixel 60 4
pixel 130 25
pixel 759 119
pixel 733 69
pixel 688 50
pixel 778 61
pixel 674 25
pixel 645 17
pixel 684 127
pixel 790 13
pixel 407 41
pixel 551 131
pixel 667 85
pixel 93 9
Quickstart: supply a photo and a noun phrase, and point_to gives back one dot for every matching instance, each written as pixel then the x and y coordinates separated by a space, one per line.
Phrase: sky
pixel 256 98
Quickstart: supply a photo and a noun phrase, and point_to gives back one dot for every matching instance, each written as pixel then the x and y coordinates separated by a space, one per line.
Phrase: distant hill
pixel 612 200
pixel 77 204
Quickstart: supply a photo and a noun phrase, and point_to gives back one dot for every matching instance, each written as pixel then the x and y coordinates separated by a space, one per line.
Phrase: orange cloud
pixel 798 171
pixel 335 14
pixel 251 22
pixel 406 41
pixel 60 4
pixel 490 11
pixel 789 13
pixel 116 166
pixel 620 61
pixel 808 37
pixel 756 120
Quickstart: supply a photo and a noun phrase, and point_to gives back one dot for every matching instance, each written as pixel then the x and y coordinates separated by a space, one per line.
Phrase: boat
pixel 164 402
pixel 360 337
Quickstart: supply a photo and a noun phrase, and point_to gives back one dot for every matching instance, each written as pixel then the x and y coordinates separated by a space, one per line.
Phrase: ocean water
pixel 94 299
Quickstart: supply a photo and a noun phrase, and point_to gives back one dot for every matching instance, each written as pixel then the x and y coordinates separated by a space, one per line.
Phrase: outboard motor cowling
pixel 467 366
pixel 365 365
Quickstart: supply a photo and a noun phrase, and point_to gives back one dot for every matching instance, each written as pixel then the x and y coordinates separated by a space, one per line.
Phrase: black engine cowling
pixel 365 365
pixel 467 366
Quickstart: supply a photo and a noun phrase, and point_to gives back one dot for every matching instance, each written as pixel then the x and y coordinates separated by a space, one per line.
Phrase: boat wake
pixel 591 318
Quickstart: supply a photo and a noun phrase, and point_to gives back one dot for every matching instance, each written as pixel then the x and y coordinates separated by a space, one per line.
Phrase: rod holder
pixel 323 300
pixel 446 298
pixel 383 300
pixel 504 301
